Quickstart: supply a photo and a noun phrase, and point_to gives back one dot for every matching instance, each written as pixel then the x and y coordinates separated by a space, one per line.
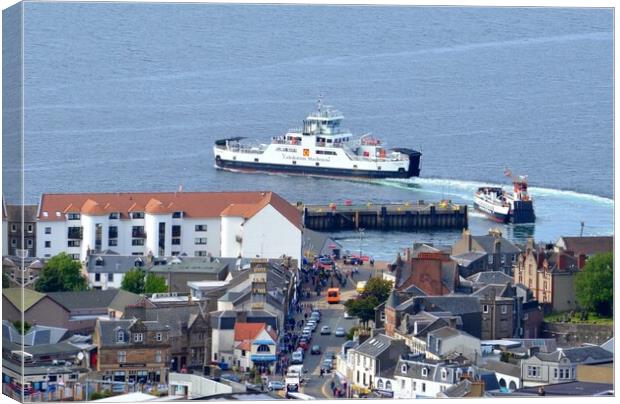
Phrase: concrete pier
pixel 393 216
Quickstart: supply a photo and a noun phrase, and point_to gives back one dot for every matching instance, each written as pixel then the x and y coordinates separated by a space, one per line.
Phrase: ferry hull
pixel 498 217
pixel 318 171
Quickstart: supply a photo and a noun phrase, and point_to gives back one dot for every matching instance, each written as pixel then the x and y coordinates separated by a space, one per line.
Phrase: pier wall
pixel 402 217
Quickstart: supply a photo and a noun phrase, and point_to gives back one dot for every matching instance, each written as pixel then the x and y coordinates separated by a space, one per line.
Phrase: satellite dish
pixel 80 356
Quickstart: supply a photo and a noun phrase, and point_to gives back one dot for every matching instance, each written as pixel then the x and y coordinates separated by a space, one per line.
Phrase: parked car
pixel 306 333
pixel 315 317
pixel 327 365
pixel 297 358
pixel 315 350
pixel 303 344
pixel 325 330
pixel 312 324
pixel 275 385
pixel 348 316
pixel 340 332
pixel 330 355
pixel 231 377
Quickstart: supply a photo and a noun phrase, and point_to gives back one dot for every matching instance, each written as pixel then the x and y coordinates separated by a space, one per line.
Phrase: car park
pixel 275 385
pixel 326 330
pixel 315 350
pixel 340 332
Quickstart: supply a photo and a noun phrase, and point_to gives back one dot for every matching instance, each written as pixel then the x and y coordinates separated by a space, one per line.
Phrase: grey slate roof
pixel 466 259
pixel 490 277
pixel 192 265
pixel 487 243
pixel 461 389
pixel 608 345
pixel 568 389
pixel 116 299
pixel 413 290
pixel 578 355
pixel 455 304
pixel 490 290
pixel 503 367
pixel 375 346
pixel 415 369
pixel 112 263
pixel 108 330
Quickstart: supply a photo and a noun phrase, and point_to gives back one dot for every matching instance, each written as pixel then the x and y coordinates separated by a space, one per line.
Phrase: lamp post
pixel 361 232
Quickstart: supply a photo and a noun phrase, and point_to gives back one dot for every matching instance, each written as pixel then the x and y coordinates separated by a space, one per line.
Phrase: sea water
pixel 131 97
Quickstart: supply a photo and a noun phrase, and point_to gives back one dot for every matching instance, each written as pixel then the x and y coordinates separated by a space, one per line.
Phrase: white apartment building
pixel 220 224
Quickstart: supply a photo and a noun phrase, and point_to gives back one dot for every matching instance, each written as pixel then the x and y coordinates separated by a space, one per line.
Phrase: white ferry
pixel 323 148
pixel 501 206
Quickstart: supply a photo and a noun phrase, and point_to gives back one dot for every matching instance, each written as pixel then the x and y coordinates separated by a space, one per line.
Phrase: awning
pixel 263 358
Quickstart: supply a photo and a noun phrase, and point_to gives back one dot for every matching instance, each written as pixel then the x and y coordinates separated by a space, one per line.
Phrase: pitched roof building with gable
pixel 222 224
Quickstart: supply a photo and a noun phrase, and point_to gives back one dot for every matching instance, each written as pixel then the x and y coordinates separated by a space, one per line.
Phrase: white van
pixel 297 358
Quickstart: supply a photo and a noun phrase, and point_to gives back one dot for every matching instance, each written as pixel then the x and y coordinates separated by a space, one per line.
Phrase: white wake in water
pixel 466 189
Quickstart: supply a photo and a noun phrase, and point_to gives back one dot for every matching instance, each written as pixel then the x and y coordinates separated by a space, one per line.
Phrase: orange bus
pixel 333 295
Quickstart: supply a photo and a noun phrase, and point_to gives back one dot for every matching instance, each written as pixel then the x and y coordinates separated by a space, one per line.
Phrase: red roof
pixel 248 331
pixel 192 204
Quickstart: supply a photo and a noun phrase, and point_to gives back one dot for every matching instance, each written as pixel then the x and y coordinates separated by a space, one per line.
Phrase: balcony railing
pixel 74 233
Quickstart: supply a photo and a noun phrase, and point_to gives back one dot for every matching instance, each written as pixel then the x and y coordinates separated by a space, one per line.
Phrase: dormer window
pixel 403 368
pixel 444 374
pixel 138 337
pixel 424 372
pixel 137 215
pixel 138 262
pixel 114 215
pixel 99 262
pixel 120 336
pixel 177 215
pixel 73 216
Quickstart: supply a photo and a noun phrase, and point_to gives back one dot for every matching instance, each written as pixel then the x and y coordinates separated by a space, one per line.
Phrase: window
pixel 137 215
pixel 200 253
pixel 114 215
pixel 403 368
pixel 444 374
pixel 113 232
pixel 504 309
pixel 110 277
pixel 177 215
pixel 157 356
pixel 137 241
pixel 158 336
pixel 48 244
pixel 14 242
pixel 424 372
pixel 29 228
pixel 74 243
pixel 29 243
pixel 112 242
pixel 122 356
pixel 263 348
pixel 380 384
pixel 99 262
pixel 485 308
pixel 201 227
pixel 415 386
pixel 13 228
pixel 176 241
pixel 73 256
pixel 176 230
pixel 138 263
pixel 423 387
pixel 137 231
pixel 388 385
pixel 48 230
pixel 200 240
pixel 97 277
pixel 120 336
pixel 533 371
pixel 73 216
pixel 555 373
pixel 138 337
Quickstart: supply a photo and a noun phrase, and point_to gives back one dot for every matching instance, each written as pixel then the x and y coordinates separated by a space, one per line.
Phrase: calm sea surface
pixel 128 97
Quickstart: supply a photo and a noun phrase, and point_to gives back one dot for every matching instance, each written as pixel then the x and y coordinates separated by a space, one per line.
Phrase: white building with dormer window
pixel 221 224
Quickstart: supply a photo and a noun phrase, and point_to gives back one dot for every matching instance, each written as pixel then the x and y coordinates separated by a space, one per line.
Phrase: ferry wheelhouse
pixel 321 147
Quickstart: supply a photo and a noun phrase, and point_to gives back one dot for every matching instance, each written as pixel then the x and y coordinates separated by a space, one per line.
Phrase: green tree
pixel 61 274
pixel 362 307
pixel 377 287
pixel 6 282
pixel 133 281
pixel 155 284
pixel 595 284
pixel 22 328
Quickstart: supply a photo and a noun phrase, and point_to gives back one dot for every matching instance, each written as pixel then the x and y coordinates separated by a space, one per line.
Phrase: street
pixel 333 316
